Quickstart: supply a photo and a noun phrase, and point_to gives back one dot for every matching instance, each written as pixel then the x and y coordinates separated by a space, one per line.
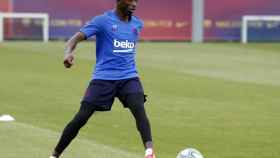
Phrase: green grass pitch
pixel 220 98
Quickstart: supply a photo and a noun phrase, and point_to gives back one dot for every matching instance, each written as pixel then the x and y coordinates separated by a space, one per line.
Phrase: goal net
pixel 260 29
pixel 24 26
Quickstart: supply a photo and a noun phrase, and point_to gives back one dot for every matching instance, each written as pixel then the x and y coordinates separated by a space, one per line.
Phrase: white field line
pixel 90 144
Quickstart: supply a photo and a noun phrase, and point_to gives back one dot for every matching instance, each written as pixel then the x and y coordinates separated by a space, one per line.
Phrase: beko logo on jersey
pixel 124 44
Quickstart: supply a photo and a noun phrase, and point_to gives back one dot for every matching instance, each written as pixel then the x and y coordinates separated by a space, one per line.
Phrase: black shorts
pixel 100 94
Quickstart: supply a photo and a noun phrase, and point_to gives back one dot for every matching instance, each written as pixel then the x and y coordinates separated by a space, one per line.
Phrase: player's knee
pixel 81 117
pixel 143 123
pixel 78 122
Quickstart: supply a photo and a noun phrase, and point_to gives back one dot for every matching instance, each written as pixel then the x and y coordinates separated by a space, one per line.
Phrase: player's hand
pixel 68 60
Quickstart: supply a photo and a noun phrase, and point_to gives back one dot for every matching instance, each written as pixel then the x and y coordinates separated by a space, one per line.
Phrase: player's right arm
pixel 90 29
pixel 70 47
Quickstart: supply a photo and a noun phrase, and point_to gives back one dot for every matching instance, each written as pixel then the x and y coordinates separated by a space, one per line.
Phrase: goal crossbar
pixel 43 16
pixel 247 18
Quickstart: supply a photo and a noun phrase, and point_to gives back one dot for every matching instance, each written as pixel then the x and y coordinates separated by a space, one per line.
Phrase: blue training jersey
pixel 115 45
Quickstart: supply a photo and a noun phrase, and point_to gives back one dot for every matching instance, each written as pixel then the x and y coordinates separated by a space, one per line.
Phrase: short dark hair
pixel 119 0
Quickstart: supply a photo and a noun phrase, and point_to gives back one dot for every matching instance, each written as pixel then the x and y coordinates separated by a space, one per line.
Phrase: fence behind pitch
pixel 164 20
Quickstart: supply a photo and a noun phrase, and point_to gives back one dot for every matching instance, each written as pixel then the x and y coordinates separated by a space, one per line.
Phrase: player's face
pixel 127 6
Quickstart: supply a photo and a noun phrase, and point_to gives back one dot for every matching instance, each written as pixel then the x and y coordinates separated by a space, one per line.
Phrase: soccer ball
pixel 189 153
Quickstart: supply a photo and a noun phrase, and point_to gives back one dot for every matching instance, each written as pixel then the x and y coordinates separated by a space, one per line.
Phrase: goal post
pixel 43 16
pixel 247 18
pixel 198 7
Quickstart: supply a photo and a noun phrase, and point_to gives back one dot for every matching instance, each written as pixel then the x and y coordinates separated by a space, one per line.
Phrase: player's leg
pixel 99 96
pixel 72 129
pixel 135 104
pixel 132 96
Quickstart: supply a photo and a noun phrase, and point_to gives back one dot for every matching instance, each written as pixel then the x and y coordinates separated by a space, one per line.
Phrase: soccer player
pixel 115 73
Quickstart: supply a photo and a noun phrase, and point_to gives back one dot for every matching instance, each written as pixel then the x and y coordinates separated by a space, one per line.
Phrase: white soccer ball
pixel 189 153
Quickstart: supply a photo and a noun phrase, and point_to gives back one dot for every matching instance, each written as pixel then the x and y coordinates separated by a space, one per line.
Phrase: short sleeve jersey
pixel 115 45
